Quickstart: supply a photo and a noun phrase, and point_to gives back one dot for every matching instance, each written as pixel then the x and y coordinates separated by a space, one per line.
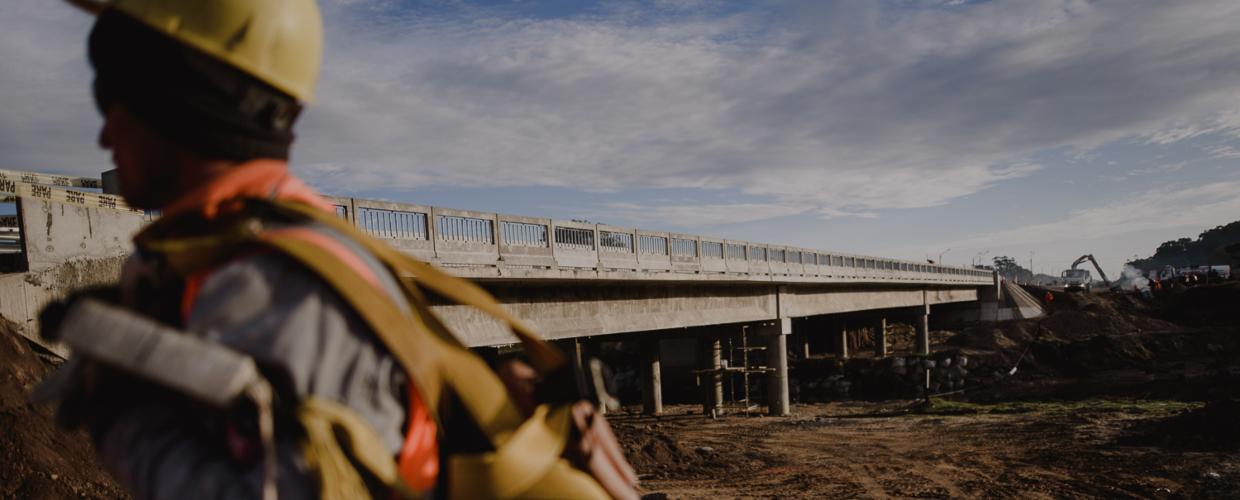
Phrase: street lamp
pixel 941 256
pixel 977 259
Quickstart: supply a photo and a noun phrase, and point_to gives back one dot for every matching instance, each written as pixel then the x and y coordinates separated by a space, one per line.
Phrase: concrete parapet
pixel 65 248
pixel 55 233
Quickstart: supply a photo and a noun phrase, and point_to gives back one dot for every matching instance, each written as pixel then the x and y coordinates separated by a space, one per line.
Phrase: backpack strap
pixel 544 356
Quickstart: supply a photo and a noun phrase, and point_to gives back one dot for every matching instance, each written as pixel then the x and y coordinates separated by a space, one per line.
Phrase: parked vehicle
pixel 1075 280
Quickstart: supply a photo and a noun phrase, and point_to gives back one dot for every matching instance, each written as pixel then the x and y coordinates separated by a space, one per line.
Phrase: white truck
pixel 1075 280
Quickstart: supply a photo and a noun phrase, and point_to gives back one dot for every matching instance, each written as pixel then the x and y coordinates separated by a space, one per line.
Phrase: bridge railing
pixel 480 244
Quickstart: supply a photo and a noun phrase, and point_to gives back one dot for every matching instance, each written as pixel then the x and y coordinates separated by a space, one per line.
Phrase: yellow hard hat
pixel 277 41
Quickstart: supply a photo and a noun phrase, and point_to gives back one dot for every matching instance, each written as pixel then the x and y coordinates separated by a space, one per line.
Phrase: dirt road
pixel 1050 453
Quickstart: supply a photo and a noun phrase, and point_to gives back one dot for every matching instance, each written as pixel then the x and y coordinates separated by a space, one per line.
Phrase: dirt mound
pixel 1209 305
pixel 1209 428
pixel 655 452
pixel 648 449
pixel 38 459
pixel 1085 331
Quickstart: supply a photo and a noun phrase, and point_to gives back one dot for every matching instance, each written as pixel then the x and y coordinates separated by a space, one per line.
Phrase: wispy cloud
pixel 699 215
pixel 1169 207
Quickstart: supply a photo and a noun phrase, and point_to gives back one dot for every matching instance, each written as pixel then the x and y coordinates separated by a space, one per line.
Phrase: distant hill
pixel 1217 246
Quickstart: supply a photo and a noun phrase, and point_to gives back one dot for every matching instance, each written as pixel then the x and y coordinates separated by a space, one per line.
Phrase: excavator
pixel 1075 280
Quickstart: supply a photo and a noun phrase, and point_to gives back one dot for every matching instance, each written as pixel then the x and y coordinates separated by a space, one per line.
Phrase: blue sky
pixel 897 128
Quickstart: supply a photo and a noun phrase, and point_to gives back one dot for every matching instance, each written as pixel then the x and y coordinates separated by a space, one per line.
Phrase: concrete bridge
pixel 579 284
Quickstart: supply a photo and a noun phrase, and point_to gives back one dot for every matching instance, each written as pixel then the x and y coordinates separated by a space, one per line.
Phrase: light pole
pixel 941 256
pixel 977 259
pixel 1030 265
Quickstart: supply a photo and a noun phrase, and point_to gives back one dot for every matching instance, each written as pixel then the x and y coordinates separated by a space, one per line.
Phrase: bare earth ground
pixel 1036 455
pixel 38 459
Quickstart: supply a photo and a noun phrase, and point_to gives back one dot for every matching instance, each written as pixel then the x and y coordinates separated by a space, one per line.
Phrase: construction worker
pixel 1049 298
pixel 373 396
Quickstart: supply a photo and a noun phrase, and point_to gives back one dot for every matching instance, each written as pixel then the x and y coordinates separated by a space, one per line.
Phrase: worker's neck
pixel 197 171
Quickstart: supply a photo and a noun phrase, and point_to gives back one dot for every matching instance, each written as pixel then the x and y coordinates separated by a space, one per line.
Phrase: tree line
pixel 1218 246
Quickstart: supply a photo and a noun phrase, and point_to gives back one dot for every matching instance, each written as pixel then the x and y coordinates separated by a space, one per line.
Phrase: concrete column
pixel 587 349
pixel 802 345
pixel 716 361
pixel 701 362
pixel 839 334
pixel 880 337
pixel 923 333
pixel 777 381
pixel 652 390
pixel 571 348
pixel 590 348
pixel 712 383
pixel 488 354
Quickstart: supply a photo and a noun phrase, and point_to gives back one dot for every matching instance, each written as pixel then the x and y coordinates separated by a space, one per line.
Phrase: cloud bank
pixel 833 108
pixel 843 107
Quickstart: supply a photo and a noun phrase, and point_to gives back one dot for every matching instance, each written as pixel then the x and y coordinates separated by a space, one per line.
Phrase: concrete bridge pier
pixel 710 354
pixel 580 351
pixel 652 390
pixel 880 337
pixel 801 345
pixel 922 325
pixel 839 335
pixel 777 359
pixel 591 348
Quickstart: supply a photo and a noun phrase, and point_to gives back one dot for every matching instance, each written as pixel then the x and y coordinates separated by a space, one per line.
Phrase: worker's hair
pixel 190 98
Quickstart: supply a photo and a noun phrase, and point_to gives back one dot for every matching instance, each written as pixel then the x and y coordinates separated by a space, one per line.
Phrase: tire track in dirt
pixel 864 475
